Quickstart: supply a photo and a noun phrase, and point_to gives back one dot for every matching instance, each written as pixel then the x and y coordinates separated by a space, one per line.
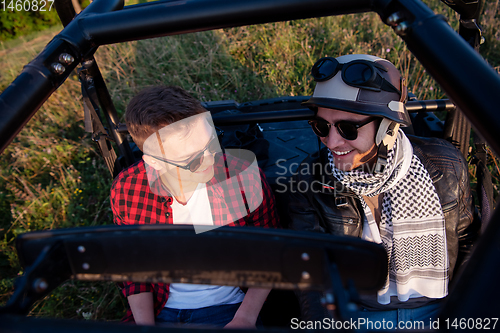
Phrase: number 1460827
pixel 26 5
pixel 471 323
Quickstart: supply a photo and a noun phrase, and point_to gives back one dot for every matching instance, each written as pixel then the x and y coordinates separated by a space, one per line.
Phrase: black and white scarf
pixel 412 226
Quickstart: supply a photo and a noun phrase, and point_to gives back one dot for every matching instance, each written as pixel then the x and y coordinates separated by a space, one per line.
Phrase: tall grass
pixel 52 177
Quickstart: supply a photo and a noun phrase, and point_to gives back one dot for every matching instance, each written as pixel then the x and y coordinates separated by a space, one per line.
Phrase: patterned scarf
pixel 412 226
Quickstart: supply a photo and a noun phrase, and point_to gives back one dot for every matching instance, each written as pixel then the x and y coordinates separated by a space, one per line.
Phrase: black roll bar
pixel 166 18
pixel 99 24
pixel 437 105
pixel 452 62
pixel 434 43
pixel 430 38
pixel 45 74
pixel 244 256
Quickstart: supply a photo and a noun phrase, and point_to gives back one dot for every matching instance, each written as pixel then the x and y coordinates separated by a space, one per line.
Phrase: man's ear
pixel 152 162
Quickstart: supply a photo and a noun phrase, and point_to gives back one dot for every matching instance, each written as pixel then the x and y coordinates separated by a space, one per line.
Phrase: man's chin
pixel 344 166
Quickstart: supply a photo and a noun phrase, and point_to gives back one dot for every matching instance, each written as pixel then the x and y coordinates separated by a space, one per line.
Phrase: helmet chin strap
pixel 385 139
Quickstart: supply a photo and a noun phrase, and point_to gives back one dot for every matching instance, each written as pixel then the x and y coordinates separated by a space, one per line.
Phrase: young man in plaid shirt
pixel 184 179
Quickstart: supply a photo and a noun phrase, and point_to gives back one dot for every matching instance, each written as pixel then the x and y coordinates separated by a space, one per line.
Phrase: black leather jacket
pixel 335 210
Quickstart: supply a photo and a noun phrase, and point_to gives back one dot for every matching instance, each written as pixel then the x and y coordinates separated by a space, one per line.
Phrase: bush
pixel 20 23
pixel 41 15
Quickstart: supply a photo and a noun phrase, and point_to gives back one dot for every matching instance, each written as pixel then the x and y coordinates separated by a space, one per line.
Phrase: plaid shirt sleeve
pixel 125 192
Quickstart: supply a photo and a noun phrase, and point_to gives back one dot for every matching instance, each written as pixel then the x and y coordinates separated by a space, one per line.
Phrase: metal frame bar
pixel 453 63
pixel 430 38
pixel 284 259
pixel 303 114
pixel 92 80
pixel 166 18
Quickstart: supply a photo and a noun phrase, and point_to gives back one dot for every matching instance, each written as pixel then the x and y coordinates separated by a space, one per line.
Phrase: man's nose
pixel 208 158
pixel 334 139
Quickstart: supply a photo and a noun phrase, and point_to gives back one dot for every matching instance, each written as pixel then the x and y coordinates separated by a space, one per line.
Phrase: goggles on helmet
pixel 347 129
pixel 362 74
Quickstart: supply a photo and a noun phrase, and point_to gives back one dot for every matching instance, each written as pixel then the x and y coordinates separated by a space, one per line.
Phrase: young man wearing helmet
pixel 411 195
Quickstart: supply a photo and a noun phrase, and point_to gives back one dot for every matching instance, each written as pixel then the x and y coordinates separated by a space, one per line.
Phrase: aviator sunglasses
pixel 197 160
pixel 347 129
pixel 357 73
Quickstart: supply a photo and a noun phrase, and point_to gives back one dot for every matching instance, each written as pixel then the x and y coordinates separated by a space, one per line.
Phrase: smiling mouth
pixel 340 153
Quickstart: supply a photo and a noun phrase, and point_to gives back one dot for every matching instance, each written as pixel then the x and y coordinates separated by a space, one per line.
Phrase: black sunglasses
pixel 198 159
pixel 357 73
pixel 347 129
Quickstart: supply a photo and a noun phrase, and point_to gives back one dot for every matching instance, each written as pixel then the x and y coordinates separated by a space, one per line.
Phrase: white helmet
pixel 366 85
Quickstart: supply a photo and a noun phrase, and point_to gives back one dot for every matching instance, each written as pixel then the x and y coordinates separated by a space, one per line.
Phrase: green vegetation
pixel 27 18
pixel 52 177
pixel 15 23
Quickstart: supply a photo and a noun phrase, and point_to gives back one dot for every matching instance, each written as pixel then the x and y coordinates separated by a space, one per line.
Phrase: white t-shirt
pixel 195 296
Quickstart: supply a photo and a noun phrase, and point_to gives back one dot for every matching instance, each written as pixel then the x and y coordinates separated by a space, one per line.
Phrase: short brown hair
pixel 156 107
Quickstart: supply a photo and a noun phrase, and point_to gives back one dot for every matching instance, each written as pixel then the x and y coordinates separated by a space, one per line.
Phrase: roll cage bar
pixel 449 58
pixel 435 44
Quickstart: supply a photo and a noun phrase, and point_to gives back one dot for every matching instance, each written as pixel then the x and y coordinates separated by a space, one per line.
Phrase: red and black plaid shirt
pixel 134 202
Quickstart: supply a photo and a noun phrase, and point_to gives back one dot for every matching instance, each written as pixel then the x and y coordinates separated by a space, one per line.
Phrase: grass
pixel 52 177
